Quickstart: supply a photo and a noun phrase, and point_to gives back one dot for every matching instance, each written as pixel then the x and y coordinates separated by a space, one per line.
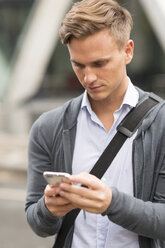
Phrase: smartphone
pixel 54 177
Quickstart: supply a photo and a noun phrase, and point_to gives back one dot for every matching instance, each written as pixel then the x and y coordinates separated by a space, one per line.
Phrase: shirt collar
pixel 131 98
pixel 85 103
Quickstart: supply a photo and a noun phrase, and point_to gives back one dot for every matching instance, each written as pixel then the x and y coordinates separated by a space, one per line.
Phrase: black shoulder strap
pixel 126 128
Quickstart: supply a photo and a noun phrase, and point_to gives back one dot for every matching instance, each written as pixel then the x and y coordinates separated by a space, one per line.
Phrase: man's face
pixel 100 65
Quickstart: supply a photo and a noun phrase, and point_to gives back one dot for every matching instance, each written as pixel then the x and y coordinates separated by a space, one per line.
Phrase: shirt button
pixel 103 180
pixel 101 236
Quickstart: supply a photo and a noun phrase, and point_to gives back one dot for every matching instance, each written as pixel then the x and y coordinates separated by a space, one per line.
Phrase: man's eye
pixel 100 64
pixel 78 65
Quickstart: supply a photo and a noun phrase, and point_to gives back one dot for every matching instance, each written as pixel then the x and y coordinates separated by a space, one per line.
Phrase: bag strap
pixel 125 129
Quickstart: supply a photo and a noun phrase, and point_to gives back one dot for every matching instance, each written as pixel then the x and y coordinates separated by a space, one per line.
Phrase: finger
pixel 92 206
pixel 93 185
pixel 75 199
pixel 56 201
pixel 78 190
pixel 66 180
pixel 60 210
pixel 80 200
pixel 88 205
pixel 84 198
pixel 51 191
pixel 85 179
pixel 64 211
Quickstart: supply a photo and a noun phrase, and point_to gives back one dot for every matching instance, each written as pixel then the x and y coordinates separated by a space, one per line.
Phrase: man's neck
pixel 104 109
pixel 108 105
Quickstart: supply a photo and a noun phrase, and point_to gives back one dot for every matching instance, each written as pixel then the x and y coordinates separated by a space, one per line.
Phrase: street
pixel 14 230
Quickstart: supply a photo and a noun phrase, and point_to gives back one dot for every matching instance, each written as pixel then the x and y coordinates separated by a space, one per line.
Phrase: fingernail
pixel 61 193
pixel 72 177
pixel 61 185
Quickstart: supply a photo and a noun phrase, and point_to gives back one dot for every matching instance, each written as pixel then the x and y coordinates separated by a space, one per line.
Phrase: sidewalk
pixel 14 230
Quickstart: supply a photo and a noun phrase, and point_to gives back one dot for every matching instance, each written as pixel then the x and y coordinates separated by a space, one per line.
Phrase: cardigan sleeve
pixel 144 218
pixel 145 213
pixel 42 222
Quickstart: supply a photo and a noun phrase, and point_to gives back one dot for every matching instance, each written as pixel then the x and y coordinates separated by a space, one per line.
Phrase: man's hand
pixel 94 198
pixel 56 204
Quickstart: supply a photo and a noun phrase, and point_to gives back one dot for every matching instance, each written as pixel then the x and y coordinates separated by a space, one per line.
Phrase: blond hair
pixel 90 16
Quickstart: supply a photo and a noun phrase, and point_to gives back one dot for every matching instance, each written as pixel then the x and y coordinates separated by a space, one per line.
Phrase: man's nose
pixel 89 75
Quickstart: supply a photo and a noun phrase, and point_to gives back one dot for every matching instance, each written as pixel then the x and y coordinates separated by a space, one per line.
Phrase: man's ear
pixel 129 49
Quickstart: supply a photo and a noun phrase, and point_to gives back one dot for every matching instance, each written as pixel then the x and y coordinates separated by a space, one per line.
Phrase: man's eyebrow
pixel 92 62
pixel 100 60
pixel 74 61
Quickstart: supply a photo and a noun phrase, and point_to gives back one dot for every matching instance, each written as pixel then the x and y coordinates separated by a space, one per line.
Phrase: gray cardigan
pixel 51 146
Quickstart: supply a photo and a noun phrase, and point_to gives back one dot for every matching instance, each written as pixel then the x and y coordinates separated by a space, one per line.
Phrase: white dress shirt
pixel 95 230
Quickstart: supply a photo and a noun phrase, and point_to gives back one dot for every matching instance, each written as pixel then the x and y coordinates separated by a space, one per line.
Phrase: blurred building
pixel 35 71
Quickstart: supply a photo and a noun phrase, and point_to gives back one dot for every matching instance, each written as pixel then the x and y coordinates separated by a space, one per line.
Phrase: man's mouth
pixel 93 88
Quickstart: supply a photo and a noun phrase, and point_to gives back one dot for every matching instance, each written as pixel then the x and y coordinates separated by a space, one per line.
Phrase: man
pixel 126 208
